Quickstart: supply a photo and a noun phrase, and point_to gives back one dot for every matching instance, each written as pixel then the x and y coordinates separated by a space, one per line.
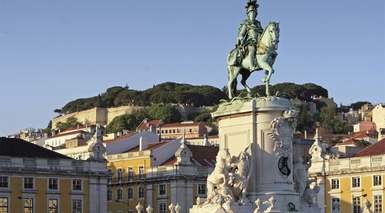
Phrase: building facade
pixel 34 179
pixel 158 175
pixel 353 184
pixel 378 117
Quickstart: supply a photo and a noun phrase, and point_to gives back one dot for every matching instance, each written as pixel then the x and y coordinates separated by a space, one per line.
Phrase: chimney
pixel 141 144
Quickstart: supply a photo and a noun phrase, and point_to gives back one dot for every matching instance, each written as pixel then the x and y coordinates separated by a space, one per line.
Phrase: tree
pixel 70 122
pixel 165 112
pixel 126 122
pixel 305 121
pixel 330 120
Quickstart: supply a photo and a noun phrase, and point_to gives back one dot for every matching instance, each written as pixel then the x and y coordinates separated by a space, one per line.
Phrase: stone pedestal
pixel 265 123
pixel 234 208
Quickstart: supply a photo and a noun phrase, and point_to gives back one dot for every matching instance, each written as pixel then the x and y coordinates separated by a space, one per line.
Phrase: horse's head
pixel 271 35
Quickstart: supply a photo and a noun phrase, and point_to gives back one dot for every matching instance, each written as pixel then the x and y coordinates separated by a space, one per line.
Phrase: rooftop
pixel 147 123
pixel 15 147
pixel 182 124
pixel 203 155
pixel 121 138
pixel 374 149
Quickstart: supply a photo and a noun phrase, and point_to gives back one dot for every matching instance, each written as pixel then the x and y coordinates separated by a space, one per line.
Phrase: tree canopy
pixel 165 93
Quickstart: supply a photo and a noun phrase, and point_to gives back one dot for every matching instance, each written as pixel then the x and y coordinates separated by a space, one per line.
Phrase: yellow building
pixel 34 179
pixel 157 175
pixel 354 184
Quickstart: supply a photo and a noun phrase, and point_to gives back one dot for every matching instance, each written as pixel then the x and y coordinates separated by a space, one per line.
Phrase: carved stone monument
pixel 254 169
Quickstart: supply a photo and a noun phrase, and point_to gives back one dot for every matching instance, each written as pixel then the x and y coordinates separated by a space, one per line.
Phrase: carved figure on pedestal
pixel 270 204
pixel 228 182
pixel 216 178
pixel 310 193
pixel 149 209
pixel 139 207
pixel 366 205
pixel 171 208
pixel 300 176
pixel 257 205
pixel 178 208
pixel 282 134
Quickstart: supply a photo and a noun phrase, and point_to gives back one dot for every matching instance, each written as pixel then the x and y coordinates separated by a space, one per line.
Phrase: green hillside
pixel 170 92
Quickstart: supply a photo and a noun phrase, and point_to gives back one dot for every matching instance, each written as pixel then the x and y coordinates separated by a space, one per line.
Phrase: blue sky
pixel 55 51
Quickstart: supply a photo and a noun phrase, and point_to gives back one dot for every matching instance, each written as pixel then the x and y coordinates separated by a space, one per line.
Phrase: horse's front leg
pixel 245 76
pixel 230 81
pixel 268 71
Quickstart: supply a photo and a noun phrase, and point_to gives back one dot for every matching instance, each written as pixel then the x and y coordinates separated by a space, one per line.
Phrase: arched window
pixel 119 194
pixel 141 192
pixel 130 193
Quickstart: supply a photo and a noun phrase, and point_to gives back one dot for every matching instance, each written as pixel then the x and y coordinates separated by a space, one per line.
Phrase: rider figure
pixel 249 34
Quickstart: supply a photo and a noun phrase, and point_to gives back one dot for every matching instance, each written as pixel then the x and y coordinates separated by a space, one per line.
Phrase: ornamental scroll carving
pixel 282 129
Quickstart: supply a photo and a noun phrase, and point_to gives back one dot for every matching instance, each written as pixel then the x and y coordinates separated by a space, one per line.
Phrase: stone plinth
pixel 211 208
pixel 267 124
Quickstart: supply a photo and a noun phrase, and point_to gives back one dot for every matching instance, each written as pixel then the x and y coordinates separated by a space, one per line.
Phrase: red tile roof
pixel 145 124
pixel 374 149
pixel 203 155
pixel 121 138
pixel 68 133
pixel 169 125
pixel 348 141
pixel 363 134
pixel 171 161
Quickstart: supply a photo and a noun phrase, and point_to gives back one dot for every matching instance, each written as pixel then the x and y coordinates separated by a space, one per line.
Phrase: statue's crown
pixel 251 5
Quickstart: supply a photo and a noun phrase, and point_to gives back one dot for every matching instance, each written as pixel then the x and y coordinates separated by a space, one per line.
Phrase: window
pixel 141 192
pixel 119 194
pixel 377 204
pixel 377 181
pixel 3 182
pixel 356 204
pixel 77 184
pixel 53 184
pixel 162 189
pixel 335 204
pixel 130 172
pixel 162 208
pixel 28 183
pixel 141 171
pixel 130 193
pixel 109 180
pixel 356 182
pixel 77 206
pixel 3 204
pixel 202 189
pixel 335 183
pixel 120 175
pixel 53 206
pixel 28 205
pixel 109 194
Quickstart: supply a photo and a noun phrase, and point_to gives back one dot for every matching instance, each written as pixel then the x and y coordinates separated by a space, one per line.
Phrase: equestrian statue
pixel 255 50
